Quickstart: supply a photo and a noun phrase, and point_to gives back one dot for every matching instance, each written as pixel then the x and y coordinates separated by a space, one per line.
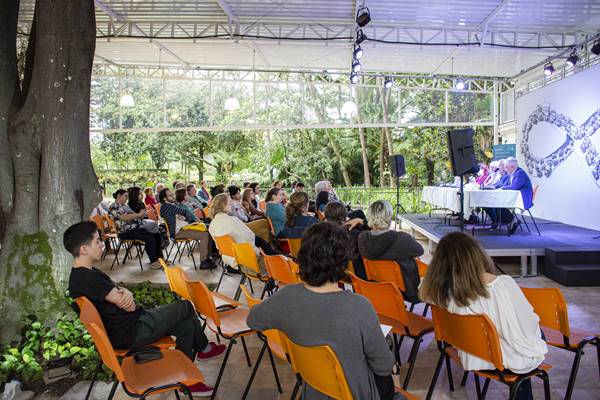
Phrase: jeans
pixel 178 319
pixel 151 241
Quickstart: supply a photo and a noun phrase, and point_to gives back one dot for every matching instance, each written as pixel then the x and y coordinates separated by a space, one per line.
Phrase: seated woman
pixel 318 312
pixel 381 243
pixel 249 201
pixel 177 217
pixel 296 220
pixel 460 280
pixel 236 206
pixel 274 209
pixel 131 224
pixel 149 198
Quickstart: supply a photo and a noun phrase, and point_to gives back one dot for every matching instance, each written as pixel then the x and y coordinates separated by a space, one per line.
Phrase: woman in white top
pixel 459 279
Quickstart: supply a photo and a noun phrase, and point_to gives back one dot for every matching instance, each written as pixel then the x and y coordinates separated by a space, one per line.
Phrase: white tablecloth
pixel 447 197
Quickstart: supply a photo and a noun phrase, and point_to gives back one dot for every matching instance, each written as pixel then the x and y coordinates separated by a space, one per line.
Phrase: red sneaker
pixel 215 351
pixel 200 390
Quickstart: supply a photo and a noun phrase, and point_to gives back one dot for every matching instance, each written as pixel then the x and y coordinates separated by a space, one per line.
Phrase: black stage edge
pixel 572 255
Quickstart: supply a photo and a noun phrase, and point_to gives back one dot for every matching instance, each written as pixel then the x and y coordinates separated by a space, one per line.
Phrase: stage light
pixel 388 83
pixel 548 69
pixel 358 53
pixel 363 16
pixel 460 84
pixel 360 36
pixel 232 104
pixel 572 59
pixel 596 48
pixel 356 66
pixel 353 78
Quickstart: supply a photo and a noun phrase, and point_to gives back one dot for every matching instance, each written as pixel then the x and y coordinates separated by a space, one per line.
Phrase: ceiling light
pixel 548 69
pixel 360 36
pixel 232 104
pixel 460 84
pixel 356 66
pixel 596 48
pixel 572 59
pixel 388 83
pixel 358 53
pixel 353 78
pixel 126 101
pixel 363 16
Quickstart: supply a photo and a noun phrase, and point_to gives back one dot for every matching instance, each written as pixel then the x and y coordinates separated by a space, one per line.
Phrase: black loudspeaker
pixel 397 166
pixel 462 152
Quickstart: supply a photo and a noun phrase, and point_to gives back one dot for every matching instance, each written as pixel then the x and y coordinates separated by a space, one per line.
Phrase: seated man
pixel 128 325
pixel 197 201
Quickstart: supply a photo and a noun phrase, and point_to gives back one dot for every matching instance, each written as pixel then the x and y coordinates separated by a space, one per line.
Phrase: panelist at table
pixel 517 180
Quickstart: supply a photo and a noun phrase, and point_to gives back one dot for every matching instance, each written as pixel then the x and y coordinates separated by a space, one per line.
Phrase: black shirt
pixel 95 285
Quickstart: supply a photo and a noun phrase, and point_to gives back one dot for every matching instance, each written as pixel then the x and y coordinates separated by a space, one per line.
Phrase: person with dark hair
pixel 136 197
pixel 175 183
pixel 296 218
pixel 318 312
pixel 236 206
pixel 127 324
pixel 246 184
pixel 217 189
pixel 322 200
pixel 132 226
pixel 274 209
pixel 298 187
pixel 203 193
pixel 193 198
pixel 177 217
pixel 256 188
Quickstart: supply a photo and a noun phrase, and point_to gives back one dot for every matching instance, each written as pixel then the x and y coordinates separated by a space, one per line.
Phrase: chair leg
pixel 463 382
pixel 436 373
pixel 113 389
pixel 98 368
pixel 514 389
pixel 534 223
pixel 238 292
pixel 425 309
pixel 246 351
pixel 486 385
pixel 250 284
pixel 216 385
pixel 139 256
pixel 546 379
pixel 296 387
pixel 116 259
pixel 411 360
pixel 253 374
pixel 221 278
pixel 176 391
pixel 449 371
pixel 574 369
pixel 478 387
pixel 274 367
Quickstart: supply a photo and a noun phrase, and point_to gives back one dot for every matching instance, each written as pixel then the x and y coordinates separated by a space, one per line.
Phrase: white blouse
pixel 223 224
pixel 523 348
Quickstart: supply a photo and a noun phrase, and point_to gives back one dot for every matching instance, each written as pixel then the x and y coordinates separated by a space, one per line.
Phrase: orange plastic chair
pixel 320 368
pixel 280 270
pixel 246 258
pixel 476 335
pixel 321 216
pixel 422 266
pixel 550 305
pixel 227 324
pixel 107 237
pixel 151 213
pixel 389 305
pixel 181 244
pixel 225 247
pixel 294 246
pixel 157 208
pixel 262 204
pixel 198 213
pixel 129 244
pixel 173 371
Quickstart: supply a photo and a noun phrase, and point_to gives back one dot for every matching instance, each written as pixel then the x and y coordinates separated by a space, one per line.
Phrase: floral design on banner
pixel 575 135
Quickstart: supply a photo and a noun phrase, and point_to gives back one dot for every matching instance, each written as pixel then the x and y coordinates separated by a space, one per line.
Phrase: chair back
pixel 245 255
pixel 206 210
pixel 422 267
pixel 294 246
pixel 167 230
pixel 280 269
pixel 385 297
pixel 252 301
pixel 473 334
pixel 88 313
pixel 157 208
pixel 319 367
pixel 271 227
pixel 177 281
pixel 321 215
pixel 262 205
pixel 151 213
pixel 384 271
pixel 198 213
pixel 104 347
pixel 550 305
pixel 97 219
pixel 203 300
pixel 225 245
pixel 112 226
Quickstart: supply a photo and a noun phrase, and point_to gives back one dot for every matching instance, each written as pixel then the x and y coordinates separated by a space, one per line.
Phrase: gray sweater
pixel 343 320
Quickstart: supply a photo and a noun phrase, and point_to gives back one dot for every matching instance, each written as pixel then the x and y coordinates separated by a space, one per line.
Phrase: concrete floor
pixel 584 313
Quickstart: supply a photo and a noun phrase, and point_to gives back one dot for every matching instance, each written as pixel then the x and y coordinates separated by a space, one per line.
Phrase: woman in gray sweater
pixel 318 312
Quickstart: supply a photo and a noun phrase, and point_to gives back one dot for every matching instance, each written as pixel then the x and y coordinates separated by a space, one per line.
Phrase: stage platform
pixel 528 246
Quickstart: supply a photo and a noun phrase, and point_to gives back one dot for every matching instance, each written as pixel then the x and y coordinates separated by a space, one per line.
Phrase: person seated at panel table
pixel 501 178
pixel 296 218
pixel 517 180
pixel 275 210
pixel 177 217
pixel 127 324
pixel 317 312
pixel 381 243
pixel 460 280
pixel 194 198
pixel 493 176
pixel 483 174
pixel 249 201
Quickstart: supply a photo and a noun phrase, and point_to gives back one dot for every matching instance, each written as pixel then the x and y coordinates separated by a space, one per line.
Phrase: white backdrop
pixel 568 191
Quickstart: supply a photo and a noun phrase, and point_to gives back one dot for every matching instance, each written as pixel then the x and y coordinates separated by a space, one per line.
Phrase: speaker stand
pixel 398 206
pixel 461 198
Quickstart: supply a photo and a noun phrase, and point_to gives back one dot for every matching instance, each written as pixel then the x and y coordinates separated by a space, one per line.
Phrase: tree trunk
pixel 430 168
pixel 382 153
pixel 338 155
pixel 363 141
pixel 385 98
pixel 54 180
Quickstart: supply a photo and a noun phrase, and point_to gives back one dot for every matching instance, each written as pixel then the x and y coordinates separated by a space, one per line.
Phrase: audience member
pixel 192 197
pixel 135 197
pixel 275 210
pixel 203 193
pixel 236 206
pixel 246 184
pixel 248 201
pixel 298 187
pixel 256 187
pixel 180 185
pixel 459 279
pixel 127 324
pixel 322 200
pixel 296 218
pixel 102 207
pixel 182 199
pixel 381 243
pixel 318 312
pixel 149 198
pixel 159 186
pixel 277 184
pixel 217 189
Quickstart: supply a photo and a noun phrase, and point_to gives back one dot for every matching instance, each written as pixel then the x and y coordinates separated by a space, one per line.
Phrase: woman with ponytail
pixel 296 218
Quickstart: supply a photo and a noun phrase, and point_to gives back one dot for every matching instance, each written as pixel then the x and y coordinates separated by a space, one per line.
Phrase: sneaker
pixel 200 390
pixel 208 264
pixel 215 351
pixel 513 227
pixel 155 265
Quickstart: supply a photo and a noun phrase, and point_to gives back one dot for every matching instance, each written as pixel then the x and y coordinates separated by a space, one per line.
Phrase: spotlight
pixel 596 48
pixel 388 83
pixel 548 69
pixel 356 66
pixel 353 78
pixel 363 16
pixel 460 84
pixel 358 53
pixel 572 59
pixel 360 36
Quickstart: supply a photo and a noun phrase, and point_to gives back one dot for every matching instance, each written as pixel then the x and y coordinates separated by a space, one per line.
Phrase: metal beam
pixel 227 9
pixel 484 24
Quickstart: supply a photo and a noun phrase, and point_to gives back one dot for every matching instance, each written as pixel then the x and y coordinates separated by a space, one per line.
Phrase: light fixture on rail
pixel 388 83
pixel 548 68
pixel 353 78
pixel 363 16
pixel 357 53
pixel 596 48
pixel 360 36
pixel 460 84
pixel 572 59
pixel 356 67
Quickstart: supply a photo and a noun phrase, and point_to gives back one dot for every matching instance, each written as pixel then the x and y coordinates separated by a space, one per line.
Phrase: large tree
pixel 46 176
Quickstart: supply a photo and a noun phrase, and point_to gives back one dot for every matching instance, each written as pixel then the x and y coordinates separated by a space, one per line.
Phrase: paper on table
pixel 385 329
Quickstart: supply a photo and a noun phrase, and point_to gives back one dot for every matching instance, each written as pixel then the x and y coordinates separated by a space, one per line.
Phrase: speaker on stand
pixel 398 170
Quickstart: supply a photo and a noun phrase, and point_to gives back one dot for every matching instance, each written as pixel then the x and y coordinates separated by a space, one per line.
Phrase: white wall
pixel 570 194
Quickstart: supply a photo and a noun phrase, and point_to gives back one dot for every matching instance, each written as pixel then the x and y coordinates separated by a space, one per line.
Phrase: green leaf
pixel 36 325
pixel 75 349
pixel 27 358
pixel 11 358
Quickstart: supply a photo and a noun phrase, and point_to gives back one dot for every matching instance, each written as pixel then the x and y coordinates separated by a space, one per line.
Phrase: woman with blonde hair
pixel 296 218
pixel 459 279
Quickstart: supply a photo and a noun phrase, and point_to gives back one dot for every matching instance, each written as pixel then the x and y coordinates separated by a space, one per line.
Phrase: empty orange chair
pixel 129 244
pixel 280 270
pixel 389 306
pixel 107 237
pixel 182 244
pixel 246 258
pixel 550 305
pixel 476 335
